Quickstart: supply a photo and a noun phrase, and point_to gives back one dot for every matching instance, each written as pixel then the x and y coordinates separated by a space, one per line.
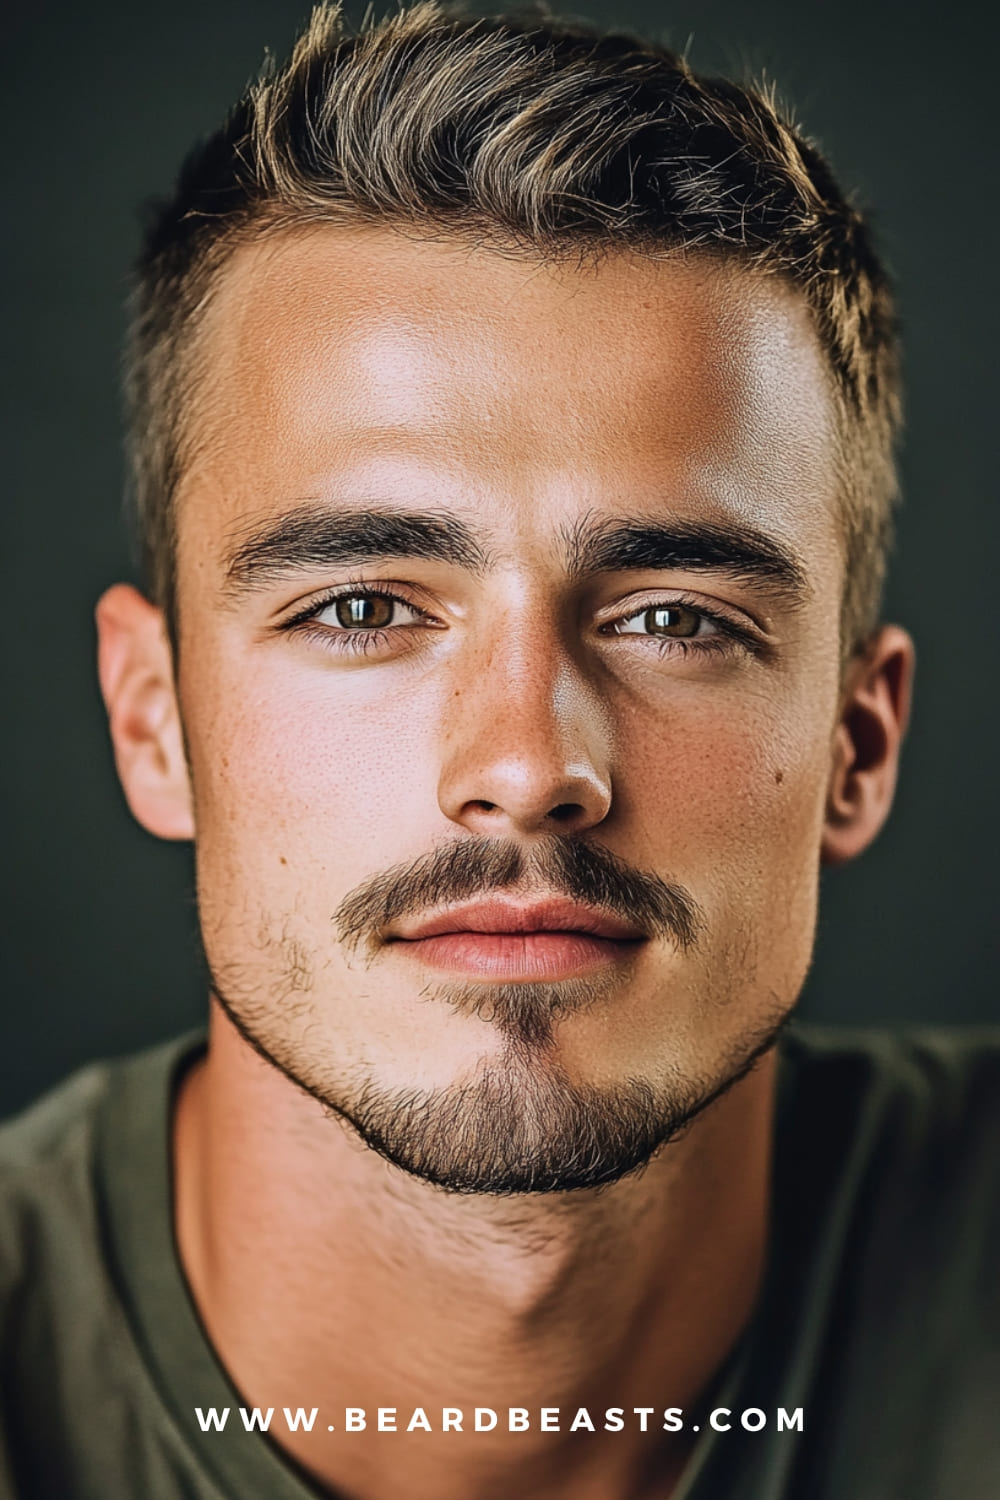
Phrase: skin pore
pixel 544 562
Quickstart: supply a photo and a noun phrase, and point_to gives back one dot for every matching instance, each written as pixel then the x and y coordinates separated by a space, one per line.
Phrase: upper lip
pixel 498 915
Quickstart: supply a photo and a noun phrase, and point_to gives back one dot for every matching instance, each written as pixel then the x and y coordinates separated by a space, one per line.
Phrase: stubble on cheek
pixel 262 957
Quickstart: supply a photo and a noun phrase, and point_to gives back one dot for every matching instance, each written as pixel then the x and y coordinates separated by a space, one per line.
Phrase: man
pixel 512 424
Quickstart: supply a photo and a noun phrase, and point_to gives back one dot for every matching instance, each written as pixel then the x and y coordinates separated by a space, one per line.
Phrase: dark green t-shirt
pixel 879 1318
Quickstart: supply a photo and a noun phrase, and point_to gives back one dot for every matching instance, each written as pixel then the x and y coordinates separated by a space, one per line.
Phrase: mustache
pixel 470 867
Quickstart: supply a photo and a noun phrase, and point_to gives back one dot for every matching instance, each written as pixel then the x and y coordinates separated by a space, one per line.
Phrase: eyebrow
pixel 742 553
pixel 313 536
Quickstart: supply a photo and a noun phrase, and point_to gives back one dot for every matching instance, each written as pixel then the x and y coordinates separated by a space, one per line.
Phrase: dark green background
pixel 101 100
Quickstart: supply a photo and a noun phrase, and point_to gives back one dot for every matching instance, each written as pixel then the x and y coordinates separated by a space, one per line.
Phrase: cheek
pixel 285 767
pixel 730 795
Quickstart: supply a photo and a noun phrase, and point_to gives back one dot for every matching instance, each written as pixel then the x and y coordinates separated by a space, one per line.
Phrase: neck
pixel 327 1278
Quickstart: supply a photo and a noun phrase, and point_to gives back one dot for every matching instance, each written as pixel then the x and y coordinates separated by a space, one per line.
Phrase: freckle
pixel 284 861
pixel 779 777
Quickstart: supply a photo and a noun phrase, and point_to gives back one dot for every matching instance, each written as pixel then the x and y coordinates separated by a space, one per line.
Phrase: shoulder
pixel 890 1045
pixel 887 1246
pixel 907 1121
pixel 52 1125
pixel 49 1188
pixel 949 1076
pixel 84 1407
pixel 46 1157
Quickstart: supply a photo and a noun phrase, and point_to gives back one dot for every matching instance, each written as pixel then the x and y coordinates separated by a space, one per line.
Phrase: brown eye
pixel 363 611
pixel 670 620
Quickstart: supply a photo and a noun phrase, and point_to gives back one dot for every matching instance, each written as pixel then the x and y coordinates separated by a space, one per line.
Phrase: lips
pixel 518 941
pixel 496 916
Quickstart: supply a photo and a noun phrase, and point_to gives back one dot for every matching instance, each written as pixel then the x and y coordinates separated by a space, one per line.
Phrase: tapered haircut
pixel 538 139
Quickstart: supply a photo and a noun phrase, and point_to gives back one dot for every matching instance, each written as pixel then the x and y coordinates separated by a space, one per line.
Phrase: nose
pixel 527 743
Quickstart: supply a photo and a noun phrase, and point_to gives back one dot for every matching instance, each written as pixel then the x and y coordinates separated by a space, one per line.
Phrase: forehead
pixel 356 365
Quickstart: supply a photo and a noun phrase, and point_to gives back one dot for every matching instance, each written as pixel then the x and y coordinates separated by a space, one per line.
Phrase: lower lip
pixel 519 955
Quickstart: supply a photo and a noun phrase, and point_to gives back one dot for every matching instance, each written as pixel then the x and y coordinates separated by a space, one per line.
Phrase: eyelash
pixel 364 642
pixel 359 642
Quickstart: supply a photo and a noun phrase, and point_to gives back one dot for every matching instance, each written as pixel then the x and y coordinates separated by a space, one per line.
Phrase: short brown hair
pixel 539 138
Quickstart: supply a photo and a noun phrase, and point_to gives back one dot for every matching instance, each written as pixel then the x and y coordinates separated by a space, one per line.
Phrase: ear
pixel 875 708
pixel 135 665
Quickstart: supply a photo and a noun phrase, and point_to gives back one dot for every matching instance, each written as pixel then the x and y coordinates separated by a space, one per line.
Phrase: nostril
pixel 565 812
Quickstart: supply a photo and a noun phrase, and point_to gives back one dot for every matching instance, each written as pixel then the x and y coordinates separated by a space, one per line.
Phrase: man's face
pixel 509 667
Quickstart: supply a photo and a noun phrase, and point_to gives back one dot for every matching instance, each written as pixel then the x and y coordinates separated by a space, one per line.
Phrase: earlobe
pixel 137 681
pixel 875 707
